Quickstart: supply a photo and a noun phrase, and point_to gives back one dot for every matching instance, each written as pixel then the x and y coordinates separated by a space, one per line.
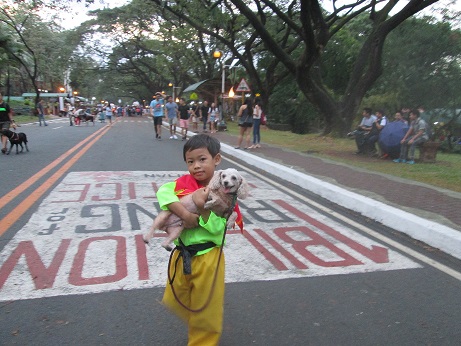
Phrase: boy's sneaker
pixel 411 162
pixel 175 137
pixel 171 137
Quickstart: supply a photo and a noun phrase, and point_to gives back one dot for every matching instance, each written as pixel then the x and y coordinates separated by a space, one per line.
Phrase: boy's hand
pixel 190 220
pixel 200 197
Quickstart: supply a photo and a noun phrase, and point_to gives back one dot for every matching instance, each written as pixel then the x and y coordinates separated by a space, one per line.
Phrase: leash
pixel 215 276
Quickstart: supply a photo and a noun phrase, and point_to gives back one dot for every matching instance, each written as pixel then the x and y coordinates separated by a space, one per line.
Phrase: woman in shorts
pixel 214 113
pixel 184 114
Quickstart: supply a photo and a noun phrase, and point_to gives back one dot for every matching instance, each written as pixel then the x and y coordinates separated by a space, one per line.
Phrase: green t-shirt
pixel 4 112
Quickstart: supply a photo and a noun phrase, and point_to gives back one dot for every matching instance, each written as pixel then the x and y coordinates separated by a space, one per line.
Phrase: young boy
pixel 203 233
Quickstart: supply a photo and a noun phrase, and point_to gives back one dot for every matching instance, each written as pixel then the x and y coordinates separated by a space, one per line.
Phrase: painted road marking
pixel 86 237
pixel 386 240
pixel 22 207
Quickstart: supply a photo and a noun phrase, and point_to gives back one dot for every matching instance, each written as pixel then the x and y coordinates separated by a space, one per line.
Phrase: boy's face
pixel 201 164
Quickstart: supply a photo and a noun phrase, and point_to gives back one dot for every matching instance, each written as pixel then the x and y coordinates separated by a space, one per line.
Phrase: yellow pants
pixel 205 327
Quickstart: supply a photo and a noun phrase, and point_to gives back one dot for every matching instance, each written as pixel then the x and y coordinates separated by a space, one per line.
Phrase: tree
pixel 308 28
pixel 38 48
pixel 146 51
pixel 16 21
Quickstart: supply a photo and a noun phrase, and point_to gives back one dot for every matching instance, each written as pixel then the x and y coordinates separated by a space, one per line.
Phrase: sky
pixel 79 12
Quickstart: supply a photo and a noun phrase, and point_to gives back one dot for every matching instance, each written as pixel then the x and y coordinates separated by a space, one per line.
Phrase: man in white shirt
pixel 372 137
pixel 363 129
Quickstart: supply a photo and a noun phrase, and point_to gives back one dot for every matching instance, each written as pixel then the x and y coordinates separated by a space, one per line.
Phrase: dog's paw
pixel 167 247
pixel 146 238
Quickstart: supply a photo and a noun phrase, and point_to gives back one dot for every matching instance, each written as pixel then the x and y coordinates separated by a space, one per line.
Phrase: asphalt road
pixel 73 270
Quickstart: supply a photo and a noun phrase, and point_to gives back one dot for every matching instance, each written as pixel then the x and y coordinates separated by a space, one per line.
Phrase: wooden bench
pixel 428 151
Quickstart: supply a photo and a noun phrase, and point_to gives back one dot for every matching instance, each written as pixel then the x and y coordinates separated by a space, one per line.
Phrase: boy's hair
pixel 202 141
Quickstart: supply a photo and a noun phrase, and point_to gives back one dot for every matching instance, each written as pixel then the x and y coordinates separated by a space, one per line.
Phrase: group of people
pixel 368 133
pixel 250 115
pixel 183 114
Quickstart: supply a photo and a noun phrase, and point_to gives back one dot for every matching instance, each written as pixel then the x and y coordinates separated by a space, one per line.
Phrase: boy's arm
pixel 190 220
pixel 168 200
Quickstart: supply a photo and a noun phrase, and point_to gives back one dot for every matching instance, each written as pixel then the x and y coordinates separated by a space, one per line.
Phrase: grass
pixel 21 119
pixel 445 173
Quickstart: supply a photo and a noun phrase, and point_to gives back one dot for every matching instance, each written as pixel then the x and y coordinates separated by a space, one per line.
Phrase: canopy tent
pixel 208 88
pixel 54 95
pixel 195 86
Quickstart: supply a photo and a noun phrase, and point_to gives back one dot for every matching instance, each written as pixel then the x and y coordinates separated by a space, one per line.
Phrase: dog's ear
pixel 244 189
pixel 215 182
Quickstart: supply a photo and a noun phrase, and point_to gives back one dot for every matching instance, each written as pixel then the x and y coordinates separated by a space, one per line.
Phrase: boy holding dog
pixel 195 287
pixel 6 120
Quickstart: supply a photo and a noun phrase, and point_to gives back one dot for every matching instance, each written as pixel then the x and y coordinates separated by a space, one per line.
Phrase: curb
pixel 434 234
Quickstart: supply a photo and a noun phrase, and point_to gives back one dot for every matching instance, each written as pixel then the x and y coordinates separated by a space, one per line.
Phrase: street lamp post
pixel 217 55
pixel 171 85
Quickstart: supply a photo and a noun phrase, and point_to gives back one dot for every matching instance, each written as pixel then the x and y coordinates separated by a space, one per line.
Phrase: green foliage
pixel 289 106
pixel 37 53
pixel 421 65
pixel 340 54
pixel 388 101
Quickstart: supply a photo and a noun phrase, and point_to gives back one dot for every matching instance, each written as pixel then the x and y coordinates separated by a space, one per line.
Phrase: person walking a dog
pixel 195 287
pixel 156 108
pixel 41 113
pixel 6 121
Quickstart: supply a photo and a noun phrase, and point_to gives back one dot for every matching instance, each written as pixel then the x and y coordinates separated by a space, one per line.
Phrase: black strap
pixel 187 252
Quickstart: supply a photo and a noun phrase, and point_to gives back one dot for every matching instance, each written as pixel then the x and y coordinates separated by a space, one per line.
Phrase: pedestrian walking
pixel 157 112
pixel 172 113
pixel 41 113
pixel 257 113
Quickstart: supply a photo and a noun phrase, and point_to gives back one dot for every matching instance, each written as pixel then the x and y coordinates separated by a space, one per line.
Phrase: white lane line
pixel 437 265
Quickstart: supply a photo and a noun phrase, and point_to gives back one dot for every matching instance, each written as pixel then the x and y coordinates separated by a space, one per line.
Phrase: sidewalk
pixel 424 212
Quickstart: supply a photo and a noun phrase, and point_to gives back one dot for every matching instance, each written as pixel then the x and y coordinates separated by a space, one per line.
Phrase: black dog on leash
pixel 15 139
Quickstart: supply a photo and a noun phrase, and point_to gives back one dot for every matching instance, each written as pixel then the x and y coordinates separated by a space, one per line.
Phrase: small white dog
pixel 225 186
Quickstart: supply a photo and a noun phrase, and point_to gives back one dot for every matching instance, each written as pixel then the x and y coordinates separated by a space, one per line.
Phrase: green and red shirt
pixel 210 231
